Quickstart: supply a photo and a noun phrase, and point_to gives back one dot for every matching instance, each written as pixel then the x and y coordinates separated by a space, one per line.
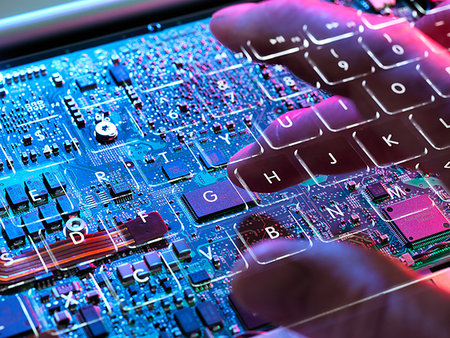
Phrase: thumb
pixel 330 276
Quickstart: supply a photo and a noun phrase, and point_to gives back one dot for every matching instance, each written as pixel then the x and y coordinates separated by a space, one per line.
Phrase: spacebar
pixel 217 200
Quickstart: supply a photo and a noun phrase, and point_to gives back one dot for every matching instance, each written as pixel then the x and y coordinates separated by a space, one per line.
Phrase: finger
pixel 436 24
pixel 330 276
pixel 290 141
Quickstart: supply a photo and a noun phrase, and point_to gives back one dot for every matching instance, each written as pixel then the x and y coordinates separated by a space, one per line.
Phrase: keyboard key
pixel 402 91
pixel 283 44
pixel 388 142
pixel 375 22
pixel 216 200
pixel 338 113
pixel 394 46
pixel 336 63
pixel 331 157
pixel 437 75
pixel 331 31
pixel 271 173
pixel 439 164
pixel 434 125
pixel 263 227
pixel 293 128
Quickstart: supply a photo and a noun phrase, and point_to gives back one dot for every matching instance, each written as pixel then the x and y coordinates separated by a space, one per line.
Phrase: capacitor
pixel 106 132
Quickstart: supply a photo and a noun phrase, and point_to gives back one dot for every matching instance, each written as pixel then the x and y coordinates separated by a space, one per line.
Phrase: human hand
pixel 329 276
pixel 389 90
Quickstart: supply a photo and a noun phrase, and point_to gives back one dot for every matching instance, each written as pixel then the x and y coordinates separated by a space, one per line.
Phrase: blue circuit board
pixel 108 159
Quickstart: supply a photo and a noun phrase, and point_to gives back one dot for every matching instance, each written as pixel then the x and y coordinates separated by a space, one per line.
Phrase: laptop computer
pixel 119 121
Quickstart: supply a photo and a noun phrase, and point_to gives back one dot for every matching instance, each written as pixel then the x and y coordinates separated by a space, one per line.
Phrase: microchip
pixel 33 225
pixel 188 322
pixel 175 170
pixel 54 184
pixel 50 216
pixel 67 207
pixel 153 261
pixel 65 289
pixel 16 197
pixel 146 227
pixel 95 326
pixel 125 273
pixel 120 191
pixel 216 200
pixel 141 269
pixel 17 317
pixel 120 75
pixel 36 191
pixel 209 315
pixel 13 233
pixel 418 221
pixel 86 82
pixel 182 249
pixel 377 192
pixel 213 159
pixel 170 261
pixel 199 277
pixel 250 320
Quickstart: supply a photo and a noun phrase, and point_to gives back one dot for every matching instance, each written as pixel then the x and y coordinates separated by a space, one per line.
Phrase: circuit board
pixel 110 160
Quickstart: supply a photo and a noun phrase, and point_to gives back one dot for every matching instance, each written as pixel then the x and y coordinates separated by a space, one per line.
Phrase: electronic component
pixel 250 320
pixel 377 192
pixel 13 233
pixel 120 75
pixel 50 217
pixel 182 249
pixel 153 261
pixel 67 288
pixel 418 221
pixel 75 225
pixel 62 318
pixel 213 159
pixel 86 82
pixel 36 191
pixel 16 197
pixel 188 322
pixel 146 227
pixel 95 326
pixel 125 273
pixel 67 207
pixel 141 269
pixel 106 132
pixel 54 184
pixel 209 315
pixel 216 200
pixel 17 317
pixel 33 225
pixel 175 170
pixel 170 261
pixel 199 277
pixel 120 191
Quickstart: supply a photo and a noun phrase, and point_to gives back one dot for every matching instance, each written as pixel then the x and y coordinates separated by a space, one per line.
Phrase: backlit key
pixel 389 142
pixel 336 63
pixel 437 75
pixel 434 125
pixel 403 90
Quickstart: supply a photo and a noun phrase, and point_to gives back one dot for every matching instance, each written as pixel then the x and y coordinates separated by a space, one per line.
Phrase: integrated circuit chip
pixel 199 277
pixel 188 322
pixel 377 192
pixel 418 221
pixel 120 192
pixel 120 75
pixel 216 200
pixel 209 315
pixel 86 82
pixel 213 159
pixel 17 317
pixel 175 170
